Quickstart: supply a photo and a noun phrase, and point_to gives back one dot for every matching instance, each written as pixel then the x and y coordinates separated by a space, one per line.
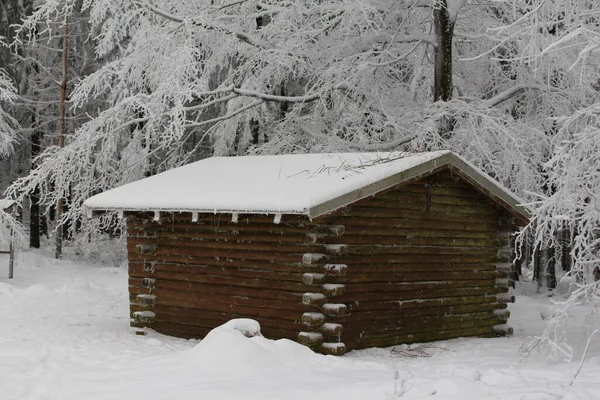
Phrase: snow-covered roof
pixel 5 204
pixel 305 184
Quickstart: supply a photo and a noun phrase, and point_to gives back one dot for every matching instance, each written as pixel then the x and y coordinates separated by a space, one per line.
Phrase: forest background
pixel 99 93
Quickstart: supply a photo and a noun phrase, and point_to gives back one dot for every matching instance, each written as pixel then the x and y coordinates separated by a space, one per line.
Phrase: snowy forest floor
pixel 64 334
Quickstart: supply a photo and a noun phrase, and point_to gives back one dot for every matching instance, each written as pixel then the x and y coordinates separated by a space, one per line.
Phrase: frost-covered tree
pixel 188 79
pixel 8 127
pixel 573 203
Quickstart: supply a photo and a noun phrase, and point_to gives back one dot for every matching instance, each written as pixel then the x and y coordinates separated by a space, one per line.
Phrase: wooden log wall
pixel 429 260
pixel 425 261
pixel 187 278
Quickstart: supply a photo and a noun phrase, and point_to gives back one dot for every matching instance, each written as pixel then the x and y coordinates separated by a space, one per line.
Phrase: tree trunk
pixel 34 221
pixel 62 133
pixel 444 32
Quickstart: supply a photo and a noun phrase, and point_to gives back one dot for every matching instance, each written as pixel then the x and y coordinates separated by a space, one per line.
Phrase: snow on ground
pixel 64 334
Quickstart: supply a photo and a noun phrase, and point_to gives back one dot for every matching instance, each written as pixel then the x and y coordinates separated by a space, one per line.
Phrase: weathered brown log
pixel 416 258
pixel 394 317
pixel 416 328
pixel 332 348
pixel 204 243
pixel 440 274
pixel 232 281
pixel 229 254
pixel 213 320
pixel 256 310
pixel 313 278
pixel 310 339
pixel 384 341
pixel 333 289
pixel 424 249
pixel 503 330
pixel 314 299
pixel 384 287
pixel 230 263
pixel 331 329
pixel 198 332
pixel 421 294
pixel 505 298
pixel 393 305
pixel 313 319
pixel 196 273
pixel 187 290
pixel 432 267
pixel 411 240
pixel 352 223
pixel 335 269
pixel 334 309
pixel 443 232
pixel 418 322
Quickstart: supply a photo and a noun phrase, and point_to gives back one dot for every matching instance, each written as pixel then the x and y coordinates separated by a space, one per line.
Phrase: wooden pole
pixel 61 137
pixel 11 259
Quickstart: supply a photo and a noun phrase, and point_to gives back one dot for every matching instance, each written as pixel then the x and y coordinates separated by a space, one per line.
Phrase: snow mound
pixel 238 344
pixel 6 289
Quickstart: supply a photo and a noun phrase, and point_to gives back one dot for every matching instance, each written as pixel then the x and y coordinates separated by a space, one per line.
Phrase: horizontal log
pixel 418 267
pixel 331 329
pixel 227 236
pixel 197 273
pixel 505 298
pixel 314 299
pixel 335 269
pixel 213 320
pixel 396 316
pixel 332 349
pixel 415 295
pixel 213 218
pixel 266 228
pixel 358 249
pixel 441 232
pixel 233 281
pixel 310 339
pixel 503 330
pixel 313 319
pixel 333 289
pixel 416 258
pixel 395 305
pixel 254 311
pixel 281 301
pixel 440 274
pixel 314 258
pixel 352 223
pixel 230 263
pixel 202 243
pixel 313 278
pixel 414 323
pixel 187 289
pixel 386 341
pixel 424 329
pixel 334 309
pixel 198 332
pixel 412 240
pixel 270 256
pixel 383 287
pixel 397 206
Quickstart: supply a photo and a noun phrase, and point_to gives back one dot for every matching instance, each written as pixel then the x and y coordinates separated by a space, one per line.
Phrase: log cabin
pixel 335 251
